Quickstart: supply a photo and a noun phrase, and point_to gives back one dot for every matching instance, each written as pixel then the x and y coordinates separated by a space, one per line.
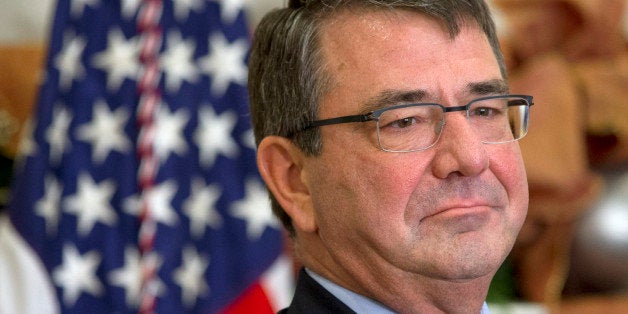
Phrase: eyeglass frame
pixel 376 114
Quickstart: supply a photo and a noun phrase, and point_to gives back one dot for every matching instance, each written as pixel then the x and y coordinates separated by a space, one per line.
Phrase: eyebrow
pixel 490 87
pixel 390 97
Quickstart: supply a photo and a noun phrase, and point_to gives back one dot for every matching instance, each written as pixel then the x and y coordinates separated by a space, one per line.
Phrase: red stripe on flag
pixel 252 300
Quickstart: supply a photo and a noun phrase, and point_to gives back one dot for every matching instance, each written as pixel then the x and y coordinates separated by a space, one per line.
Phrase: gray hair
pixel 287 76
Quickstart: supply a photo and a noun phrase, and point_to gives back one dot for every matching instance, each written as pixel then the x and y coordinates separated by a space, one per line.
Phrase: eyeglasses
pixel 416 127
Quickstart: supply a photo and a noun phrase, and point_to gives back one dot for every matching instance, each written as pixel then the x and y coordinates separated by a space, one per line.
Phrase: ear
pixel 281 166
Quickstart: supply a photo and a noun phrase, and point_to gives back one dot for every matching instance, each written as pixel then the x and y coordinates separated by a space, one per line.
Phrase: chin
pixel 476 259
pixel 462 265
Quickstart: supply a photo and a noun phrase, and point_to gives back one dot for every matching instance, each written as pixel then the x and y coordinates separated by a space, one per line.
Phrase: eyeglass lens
pixel 414 128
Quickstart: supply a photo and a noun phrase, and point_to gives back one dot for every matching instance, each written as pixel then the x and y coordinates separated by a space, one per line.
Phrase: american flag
pixel 138 187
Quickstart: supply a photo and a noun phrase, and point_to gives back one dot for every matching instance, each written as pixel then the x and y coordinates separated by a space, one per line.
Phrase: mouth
pixel 461 217
pixel 460 208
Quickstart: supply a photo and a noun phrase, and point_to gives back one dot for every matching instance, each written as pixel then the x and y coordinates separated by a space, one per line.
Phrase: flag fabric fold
pixel 138 186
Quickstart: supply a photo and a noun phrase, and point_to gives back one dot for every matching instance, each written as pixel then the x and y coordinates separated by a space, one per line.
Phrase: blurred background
pixel 571 55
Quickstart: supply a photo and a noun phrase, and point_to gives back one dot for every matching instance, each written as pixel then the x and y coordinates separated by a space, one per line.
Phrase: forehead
pixel 370 52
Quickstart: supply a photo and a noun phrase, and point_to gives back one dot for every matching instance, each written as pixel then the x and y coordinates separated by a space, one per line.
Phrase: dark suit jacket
pixel 311 297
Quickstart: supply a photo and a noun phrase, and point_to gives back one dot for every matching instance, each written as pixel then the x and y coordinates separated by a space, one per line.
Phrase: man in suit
pixel 388 140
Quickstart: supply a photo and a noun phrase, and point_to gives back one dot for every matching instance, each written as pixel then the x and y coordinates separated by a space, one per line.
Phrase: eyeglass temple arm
pixel 345 119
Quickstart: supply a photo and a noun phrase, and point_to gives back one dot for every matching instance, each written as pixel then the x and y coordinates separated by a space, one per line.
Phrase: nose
pixel 459 150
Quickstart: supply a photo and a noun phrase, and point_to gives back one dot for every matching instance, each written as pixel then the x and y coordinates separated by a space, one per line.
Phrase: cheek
pixel 507 165
pixel 361 188
pixel 389 183
pixel 372 182
pixel 393 173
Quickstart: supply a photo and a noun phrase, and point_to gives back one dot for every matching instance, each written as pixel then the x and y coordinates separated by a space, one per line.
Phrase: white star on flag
pixel 182 8
pixel 177 62
pixel 169 137
pixel 248 139
pixel 225 63
pixel 159 200
pixel 200 207
pixel 105 131
pixel 230 9
pixel 91 203
pixel 57 133
pixel 154 261
pixel 213 135
pixel 129 277
pixel 78 6
pixel 77 274
pixel 68 61
pixel 120 60
pixel 255 210
pixel 129 8
pixel 48 206
pixel 190 276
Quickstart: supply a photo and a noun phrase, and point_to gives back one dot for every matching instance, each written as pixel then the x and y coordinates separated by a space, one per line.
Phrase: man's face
pixel 450 212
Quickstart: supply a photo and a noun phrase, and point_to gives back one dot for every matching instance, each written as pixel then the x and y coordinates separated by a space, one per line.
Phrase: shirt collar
pixel 356 302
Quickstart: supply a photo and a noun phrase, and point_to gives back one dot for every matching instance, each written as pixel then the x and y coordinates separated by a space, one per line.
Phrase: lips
pixel 460 209
pixel 460 218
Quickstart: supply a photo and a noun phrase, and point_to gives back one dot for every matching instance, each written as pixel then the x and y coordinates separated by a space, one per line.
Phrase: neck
pixel 400 291
pixel 439 296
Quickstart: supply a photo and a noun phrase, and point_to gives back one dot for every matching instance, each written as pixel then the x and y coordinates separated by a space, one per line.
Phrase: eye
pixel 403 123
pixel 489 108
pixel 410 118
pixel 484 112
